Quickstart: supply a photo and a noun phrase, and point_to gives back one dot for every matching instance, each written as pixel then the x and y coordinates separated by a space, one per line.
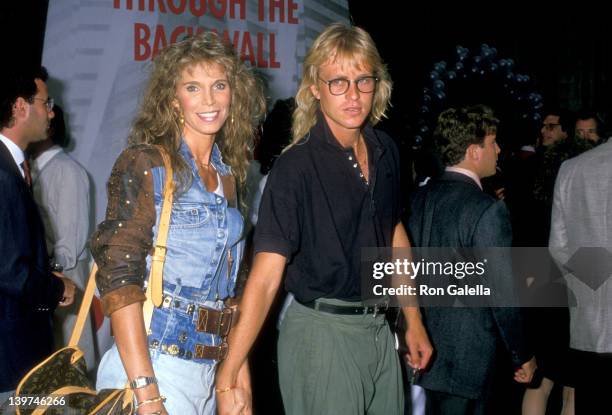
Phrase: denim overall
pixel 203 254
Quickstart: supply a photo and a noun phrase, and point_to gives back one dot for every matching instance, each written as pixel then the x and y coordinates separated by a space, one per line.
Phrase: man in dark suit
pixel 29 291
pixel 453 211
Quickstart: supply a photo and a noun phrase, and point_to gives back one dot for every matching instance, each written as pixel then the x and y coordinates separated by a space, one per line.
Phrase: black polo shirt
pixel 318 211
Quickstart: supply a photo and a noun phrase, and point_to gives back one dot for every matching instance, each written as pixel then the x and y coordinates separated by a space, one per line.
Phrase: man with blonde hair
pixel 335 191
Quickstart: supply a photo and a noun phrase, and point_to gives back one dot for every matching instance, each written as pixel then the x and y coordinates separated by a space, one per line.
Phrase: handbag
pixel 59 384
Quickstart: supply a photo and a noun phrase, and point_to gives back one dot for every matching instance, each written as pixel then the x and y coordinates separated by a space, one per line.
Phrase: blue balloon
pixel 494 67
pixel 477 59
pixel 426 98
pixel 440 95
pixel 433 75
pixel 438 85
pixel 451 75
pixel 424 109
pixel 424 129
pixel 459 66
pixel 440 66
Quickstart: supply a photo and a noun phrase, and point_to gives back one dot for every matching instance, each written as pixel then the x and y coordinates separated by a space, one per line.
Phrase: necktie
pixel 26 171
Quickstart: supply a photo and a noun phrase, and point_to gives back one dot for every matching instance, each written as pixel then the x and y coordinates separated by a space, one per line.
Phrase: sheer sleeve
pixel 123 240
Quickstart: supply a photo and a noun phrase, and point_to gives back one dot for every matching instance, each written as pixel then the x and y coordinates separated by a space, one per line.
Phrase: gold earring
pixel 181 119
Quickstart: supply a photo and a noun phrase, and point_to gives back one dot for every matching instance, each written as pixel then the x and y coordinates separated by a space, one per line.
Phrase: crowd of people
pixel 330 186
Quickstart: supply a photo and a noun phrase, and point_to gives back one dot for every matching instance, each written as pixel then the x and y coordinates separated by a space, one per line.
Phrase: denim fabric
pixel 204 232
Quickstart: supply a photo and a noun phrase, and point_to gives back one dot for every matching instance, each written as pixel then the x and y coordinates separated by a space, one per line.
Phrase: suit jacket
pixel 453 212
pixel 582 217
pixel 29 292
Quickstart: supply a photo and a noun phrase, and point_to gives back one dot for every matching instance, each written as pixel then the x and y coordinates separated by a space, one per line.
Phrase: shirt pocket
pixel 189 215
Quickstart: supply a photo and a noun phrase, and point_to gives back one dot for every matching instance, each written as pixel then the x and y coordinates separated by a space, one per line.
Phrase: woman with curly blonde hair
pixel 201 106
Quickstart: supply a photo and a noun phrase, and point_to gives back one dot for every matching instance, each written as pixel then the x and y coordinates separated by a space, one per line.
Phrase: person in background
pixel 61 190
pixel 29 290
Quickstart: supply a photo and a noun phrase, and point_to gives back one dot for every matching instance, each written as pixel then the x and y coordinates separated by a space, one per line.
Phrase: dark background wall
pixel 564 49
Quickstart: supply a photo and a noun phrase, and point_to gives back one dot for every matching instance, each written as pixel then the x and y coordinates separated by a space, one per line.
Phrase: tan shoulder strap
pixel 84 309
pixel 155 286
pixel 159 254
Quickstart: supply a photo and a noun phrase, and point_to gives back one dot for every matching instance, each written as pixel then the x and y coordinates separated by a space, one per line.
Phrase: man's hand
pixel 231 402
pixel 238 400
pixel 69 290
pixel 524 374
pixel 419 347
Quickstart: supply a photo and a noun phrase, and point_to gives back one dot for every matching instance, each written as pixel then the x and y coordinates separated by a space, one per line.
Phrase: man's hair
pixel 586 114
pixel 339 43
pixel 57 128
pixel 457 129
pixel 15 83
pixel 566 119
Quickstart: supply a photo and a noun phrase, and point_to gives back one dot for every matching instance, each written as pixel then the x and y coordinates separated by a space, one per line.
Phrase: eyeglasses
pixel 339 86
pixel 587 131
pixel 550 126
pixel 49 102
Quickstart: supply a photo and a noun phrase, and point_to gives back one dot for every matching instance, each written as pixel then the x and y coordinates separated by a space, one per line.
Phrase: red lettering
pixel 234 40
pixel 176 9
pixel 160 41
pixel 128 5
pixel 246 52
pixel 160 4
pixel 233 4
pixel 276 4
pixel 292 7
pixel 218 12
pixel 142 33
pixel 261 61
pixel 272 51
pixel 197 12
pixel 175 34
pixel 200 30
pixel 261 9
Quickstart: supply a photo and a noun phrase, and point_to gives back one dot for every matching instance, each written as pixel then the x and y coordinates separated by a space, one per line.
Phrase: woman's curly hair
pixel 157 121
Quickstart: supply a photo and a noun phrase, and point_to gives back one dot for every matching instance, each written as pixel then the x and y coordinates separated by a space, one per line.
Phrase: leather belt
pixel 346 310
pixel 217 322
pixel 210 352
pixel 200 351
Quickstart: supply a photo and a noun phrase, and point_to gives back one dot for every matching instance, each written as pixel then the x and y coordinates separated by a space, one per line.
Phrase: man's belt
pixel 346 309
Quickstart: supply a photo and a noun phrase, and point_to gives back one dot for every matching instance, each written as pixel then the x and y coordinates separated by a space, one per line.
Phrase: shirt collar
pixel 465 172
pixel 322 128
pixel 215 157
pixel 41 161
pixel 15 151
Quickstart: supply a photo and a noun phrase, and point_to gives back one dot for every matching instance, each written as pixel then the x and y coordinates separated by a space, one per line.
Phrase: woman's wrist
pixel 147 392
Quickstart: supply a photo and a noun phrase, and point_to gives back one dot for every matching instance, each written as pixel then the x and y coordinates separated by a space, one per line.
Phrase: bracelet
pixel 159 398
pixel 142 381
pixel 229 388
